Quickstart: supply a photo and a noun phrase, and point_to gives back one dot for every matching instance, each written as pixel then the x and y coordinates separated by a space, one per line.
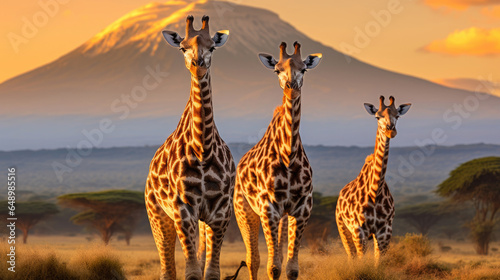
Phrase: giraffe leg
pixel 381 242
pixel 346 237
pixel 215 237
pixel 283 235
pixel 359 238
pixel 248 222
pixel 296 226
pixel 185 225
pixel 164 234
pixel 270 223
pixel 202 245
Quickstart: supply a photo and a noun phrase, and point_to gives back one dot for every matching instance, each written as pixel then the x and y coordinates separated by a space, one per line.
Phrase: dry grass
pixel 43 261
pixel 412 258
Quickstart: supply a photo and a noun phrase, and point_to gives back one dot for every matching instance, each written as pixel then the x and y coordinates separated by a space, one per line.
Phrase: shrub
pixel 35 266
pixel 416 245
pixel 423 266
pixel 97 264
pixel 410 254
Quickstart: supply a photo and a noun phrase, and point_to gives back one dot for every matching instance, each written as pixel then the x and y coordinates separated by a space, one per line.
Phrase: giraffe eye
pixel 378 118
pixel 182 49
pixel 212 49
pixel 277 71
pixel 303 71
pixel 397 117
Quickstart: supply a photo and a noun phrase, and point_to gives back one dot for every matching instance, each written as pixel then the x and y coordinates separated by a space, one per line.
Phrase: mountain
pixel 51 106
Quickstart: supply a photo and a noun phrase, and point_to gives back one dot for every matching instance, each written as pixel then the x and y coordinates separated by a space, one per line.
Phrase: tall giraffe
pixel 274 179
pixel 365 207
pixel 191 177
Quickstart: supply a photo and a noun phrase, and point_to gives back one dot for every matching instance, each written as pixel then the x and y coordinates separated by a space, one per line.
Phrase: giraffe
pixel 191 176
pixel 365 207
pixel 274 179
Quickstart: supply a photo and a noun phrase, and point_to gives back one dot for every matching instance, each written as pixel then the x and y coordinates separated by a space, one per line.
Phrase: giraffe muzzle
pixel 198 70
pixel 391 133
pixel 293 85
pixel 198 63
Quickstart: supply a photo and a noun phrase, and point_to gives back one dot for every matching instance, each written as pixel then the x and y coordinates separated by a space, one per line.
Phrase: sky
pixel 455 43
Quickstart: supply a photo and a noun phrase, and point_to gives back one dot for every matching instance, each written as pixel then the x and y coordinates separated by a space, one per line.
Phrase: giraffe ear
pixel 268 60
pixel 172 38
pixel 403 108
pixel 370 109
pixel 313 60
pixel 220 37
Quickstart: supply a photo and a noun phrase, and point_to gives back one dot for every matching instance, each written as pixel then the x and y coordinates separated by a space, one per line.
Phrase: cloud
pixel 469 84
pixel 459 4
pixel 493 12
pixel 472 41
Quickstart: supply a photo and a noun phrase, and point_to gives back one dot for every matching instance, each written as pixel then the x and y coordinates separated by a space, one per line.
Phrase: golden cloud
pixel 472 41
pixel 459 4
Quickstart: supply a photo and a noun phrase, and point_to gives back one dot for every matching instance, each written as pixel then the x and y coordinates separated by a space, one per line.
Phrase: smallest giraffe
pixel 365 208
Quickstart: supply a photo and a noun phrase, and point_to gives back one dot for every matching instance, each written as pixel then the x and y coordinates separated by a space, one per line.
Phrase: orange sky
pixel 440 40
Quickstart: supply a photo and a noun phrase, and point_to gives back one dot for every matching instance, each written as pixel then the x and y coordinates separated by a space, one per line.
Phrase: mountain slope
pixel 92 81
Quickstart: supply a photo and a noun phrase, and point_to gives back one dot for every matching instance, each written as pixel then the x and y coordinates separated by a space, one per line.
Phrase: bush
pixel 422 266
pixel 49 267
pixel 410 254
pixel 35 265
pixel 98 263
pixel 416 245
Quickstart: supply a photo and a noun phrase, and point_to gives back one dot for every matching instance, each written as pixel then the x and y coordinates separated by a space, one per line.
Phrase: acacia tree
pixel 423 216
pixel 128 225
pixel 30 213
pixel 106 211
pixel 102 223
pixel 477 181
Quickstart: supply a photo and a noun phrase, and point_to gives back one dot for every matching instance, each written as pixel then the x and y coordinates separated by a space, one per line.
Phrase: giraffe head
pixel 197 46
pixel 387 116
pixel 290 68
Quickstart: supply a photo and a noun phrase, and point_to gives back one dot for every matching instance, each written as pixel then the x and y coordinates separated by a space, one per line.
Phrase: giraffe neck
pixel 201 120
pixel 289 129
pixel 379 163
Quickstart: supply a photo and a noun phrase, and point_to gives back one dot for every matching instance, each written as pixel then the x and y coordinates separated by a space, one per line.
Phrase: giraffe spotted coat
pixel 365 207
pixel 274 179
pixel 191 178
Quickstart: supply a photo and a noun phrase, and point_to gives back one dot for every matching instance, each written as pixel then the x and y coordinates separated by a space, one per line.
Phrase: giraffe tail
pixel 233 277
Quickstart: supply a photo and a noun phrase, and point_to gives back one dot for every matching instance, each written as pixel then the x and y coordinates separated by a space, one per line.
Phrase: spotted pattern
pixel 190 188
pixel 274 188
pixel 365 208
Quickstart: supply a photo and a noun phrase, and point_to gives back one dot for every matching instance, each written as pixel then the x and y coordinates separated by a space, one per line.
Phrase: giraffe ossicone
pixel 274 179
pixel 365 207
pixel 191 177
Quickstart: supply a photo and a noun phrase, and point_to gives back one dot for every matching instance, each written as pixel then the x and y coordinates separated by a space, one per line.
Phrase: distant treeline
pixel 413 171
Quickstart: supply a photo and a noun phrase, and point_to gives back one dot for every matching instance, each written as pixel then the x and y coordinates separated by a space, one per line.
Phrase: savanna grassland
pixel 410 257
